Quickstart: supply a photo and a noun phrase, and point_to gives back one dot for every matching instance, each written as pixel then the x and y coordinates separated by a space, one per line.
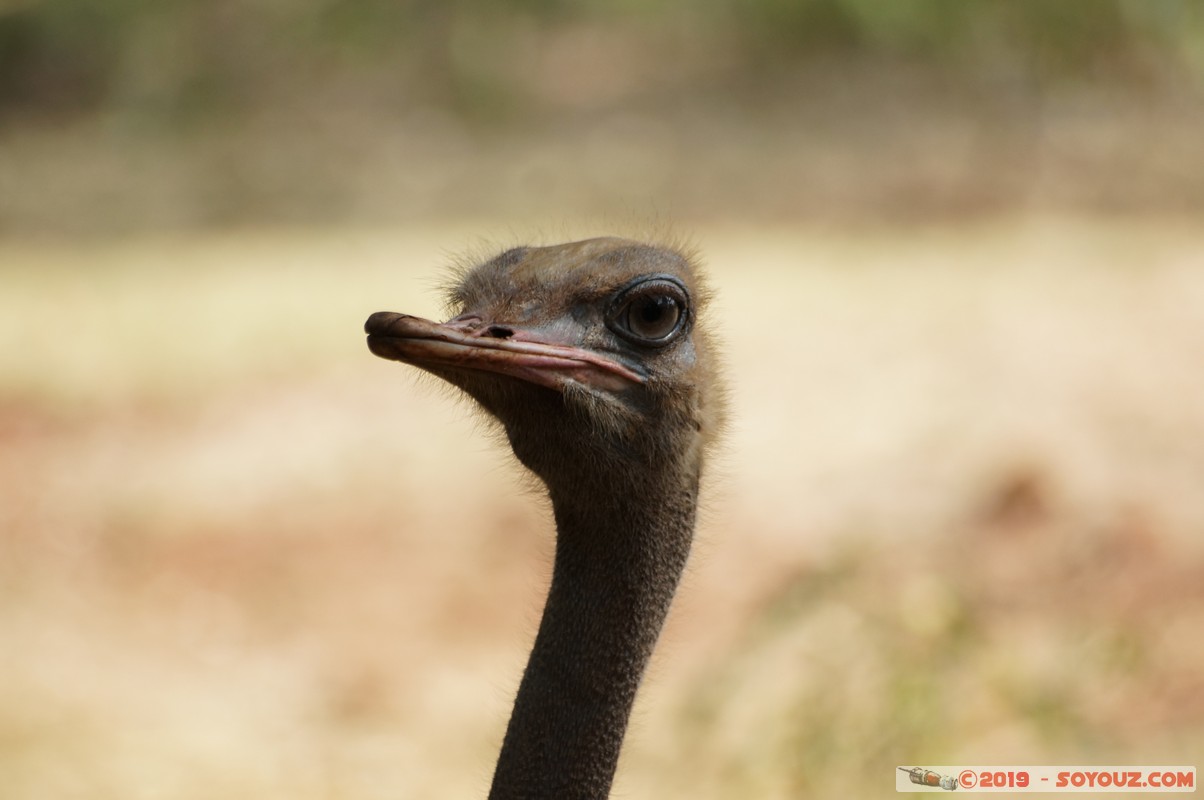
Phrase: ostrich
pixel 592 357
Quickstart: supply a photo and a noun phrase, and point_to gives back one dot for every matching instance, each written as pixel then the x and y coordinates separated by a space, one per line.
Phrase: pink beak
pixel 400 337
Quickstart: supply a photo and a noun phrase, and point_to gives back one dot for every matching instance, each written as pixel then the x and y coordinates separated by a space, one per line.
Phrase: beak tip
pixel 378 323
pixel 386 347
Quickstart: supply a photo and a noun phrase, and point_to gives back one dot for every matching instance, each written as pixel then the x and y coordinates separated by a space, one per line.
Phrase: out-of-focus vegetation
pixel 129 114
pixel 188 62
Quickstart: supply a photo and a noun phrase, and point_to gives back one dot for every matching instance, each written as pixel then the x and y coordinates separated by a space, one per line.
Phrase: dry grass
pixel 958 520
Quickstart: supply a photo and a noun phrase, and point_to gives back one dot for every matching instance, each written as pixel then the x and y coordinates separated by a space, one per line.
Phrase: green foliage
pixel 188 57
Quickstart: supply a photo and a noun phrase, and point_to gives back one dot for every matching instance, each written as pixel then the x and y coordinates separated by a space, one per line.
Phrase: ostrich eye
pixel 651 313
pixel 653 317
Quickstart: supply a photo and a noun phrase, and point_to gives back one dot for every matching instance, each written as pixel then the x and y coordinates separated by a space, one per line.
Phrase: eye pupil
pixel 654 317
pixel 654 308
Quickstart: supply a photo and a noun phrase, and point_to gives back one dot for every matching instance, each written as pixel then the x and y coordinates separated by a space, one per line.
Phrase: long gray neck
pixel 616 569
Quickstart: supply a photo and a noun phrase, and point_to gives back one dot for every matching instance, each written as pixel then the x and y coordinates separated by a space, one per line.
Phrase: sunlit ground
pixel 957 519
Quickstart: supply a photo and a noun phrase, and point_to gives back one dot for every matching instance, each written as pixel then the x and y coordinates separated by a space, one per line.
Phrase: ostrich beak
pixel 521 354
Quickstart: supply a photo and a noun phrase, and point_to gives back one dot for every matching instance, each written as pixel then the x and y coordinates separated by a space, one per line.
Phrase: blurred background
pixel 960 265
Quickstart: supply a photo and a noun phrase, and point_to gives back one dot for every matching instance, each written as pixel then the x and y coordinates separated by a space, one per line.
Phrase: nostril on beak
pixel 499 332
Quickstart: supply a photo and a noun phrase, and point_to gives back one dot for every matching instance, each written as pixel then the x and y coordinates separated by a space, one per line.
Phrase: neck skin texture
pixel 617 565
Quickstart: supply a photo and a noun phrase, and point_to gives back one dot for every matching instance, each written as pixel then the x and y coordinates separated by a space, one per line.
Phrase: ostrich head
pixel 589 354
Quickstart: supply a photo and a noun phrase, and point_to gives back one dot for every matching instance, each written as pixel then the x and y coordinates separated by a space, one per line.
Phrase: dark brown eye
pixel 652 312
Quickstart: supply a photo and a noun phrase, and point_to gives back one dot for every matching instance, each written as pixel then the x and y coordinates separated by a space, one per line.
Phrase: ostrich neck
pixel 619 555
